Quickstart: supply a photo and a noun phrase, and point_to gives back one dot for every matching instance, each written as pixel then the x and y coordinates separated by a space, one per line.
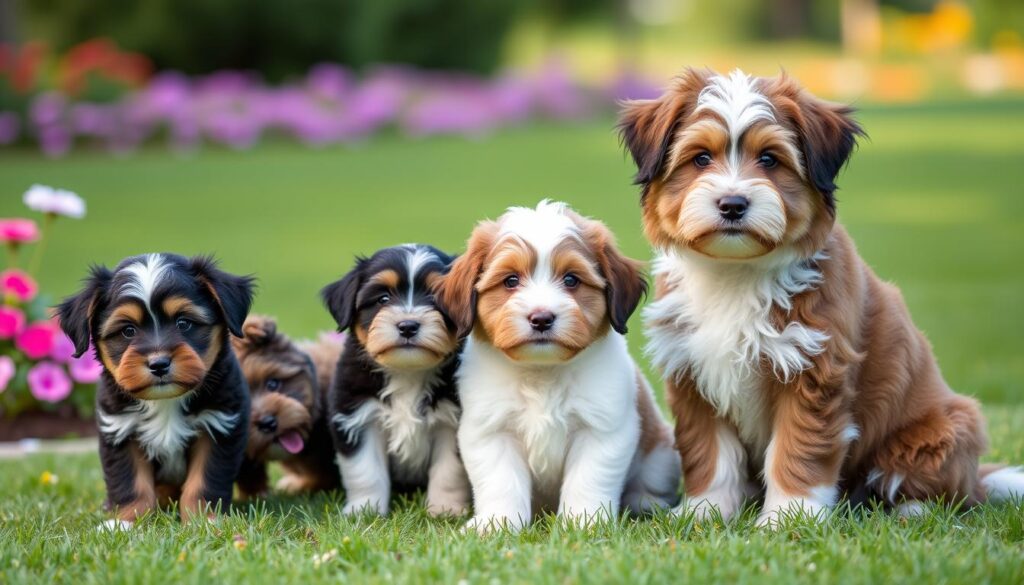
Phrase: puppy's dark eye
pixel 767 160
pixel 129 332
pixel 570 281
pixel 702 160
pixel 384 299
pixel 183 325
pixel 512 281
pixel 273 384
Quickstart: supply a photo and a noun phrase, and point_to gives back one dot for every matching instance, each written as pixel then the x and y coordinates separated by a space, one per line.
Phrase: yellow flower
pixel 48 478
pixel 240 542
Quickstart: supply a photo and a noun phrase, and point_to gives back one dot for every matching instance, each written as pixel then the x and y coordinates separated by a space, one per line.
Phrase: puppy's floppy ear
pixel 827 132
pixel 626 285
pixel 76 312
pixel 258 331
pixel 232 293
pixel 456 294
pixel 340 296
pixel 647 127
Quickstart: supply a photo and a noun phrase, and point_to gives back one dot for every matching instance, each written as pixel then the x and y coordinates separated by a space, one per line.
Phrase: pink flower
pixel 36 341
pixel 18 284
pixel 7 370
pixel 63 349
pixel 12 321
pixel 48 382
pixel 56 201
pixel 18 231
pixel 85 370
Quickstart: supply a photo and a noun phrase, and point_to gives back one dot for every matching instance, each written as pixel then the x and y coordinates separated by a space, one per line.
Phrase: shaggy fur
pixel 171 405
pixel 289 409
pixel 392 407
pixel 556 415
pixel 792 370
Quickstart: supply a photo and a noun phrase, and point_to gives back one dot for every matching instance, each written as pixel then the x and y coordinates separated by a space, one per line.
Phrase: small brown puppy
pixel 787 359
pixel 288 422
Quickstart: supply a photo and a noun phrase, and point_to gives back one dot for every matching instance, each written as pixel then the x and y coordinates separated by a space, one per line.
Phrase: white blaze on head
pixel 143 278
pixel 416 258
pixel 736 100
pixel 543 228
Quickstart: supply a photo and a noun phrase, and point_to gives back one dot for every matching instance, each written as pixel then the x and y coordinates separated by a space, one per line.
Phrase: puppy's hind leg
pixel 447 486
pixel 653 480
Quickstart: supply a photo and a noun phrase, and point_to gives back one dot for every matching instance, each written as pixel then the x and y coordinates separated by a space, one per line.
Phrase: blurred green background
pixel 933 198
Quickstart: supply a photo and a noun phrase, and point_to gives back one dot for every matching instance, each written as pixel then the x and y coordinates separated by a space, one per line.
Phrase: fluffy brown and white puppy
pixel 556 415
pixel 392 406
pixel 289 409
pixel 786 358
pixel 171 405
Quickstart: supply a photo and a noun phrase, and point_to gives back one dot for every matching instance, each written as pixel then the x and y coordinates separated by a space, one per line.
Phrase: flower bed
pixel 40 378
pixel 101 96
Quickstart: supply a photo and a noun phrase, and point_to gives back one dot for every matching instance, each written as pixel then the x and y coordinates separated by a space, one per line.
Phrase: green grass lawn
pixel 934 200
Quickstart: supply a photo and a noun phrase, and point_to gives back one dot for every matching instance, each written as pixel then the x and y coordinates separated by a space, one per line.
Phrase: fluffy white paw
pixel 773 514
pixel 705 509
pixel 484 525
pixel 291 485
pixel 365 506
pixel 113 525
pixel 912 509
pixel 447 506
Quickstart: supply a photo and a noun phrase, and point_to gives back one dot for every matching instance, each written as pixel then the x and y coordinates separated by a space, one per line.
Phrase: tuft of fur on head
pixel 544 262
pixel 153 308
pixel 283 385
pixel 765 140
pixel 387 292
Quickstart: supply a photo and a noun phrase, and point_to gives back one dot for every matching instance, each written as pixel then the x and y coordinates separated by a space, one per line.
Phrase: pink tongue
pixel 292 442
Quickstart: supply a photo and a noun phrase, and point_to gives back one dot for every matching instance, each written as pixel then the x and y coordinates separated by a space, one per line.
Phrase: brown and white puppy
pixel 555 413
pixel 289 409
pixel 786 358
pixel 171 405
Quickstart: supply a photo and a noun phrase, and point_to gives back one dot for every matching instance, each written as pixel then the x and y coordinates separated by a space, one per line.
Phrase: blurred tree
pixel 283 37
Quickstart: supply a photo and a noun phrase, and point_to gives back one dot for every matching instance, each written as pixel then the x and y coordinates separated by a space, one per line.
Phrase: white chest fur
pixel 163 430
pixel 407 421
pixel 545 408
pixel 714 324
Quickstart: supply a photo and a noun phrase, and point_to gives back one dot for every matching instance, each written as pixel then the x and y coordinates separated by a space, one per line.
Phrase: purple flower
pixel 47 109
pixel 48 382
pixel 63 349
pixel 85 369
pixel 10 127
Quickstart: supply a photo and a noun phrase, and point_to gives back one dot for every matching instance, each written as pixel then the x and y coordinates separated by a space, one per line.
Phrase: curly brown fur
pixel 288 421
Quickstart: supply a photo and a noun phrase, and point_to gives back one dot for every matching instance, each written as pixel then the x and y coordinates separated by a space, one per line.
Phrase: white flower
pixel 56 201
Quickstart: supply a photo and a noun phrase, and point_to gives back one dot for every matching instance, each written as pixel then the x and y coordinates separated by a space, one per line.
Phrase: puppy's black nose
pixel 408 328
pixel 733 207
pixel 542 320
pixel 159 366
pixel 267 423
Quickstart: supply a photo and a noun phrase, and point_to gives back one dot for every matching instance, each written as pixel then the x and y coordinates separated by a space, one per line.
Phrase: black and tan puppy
pixel 172 405
pixel 289 409
pixel 393 406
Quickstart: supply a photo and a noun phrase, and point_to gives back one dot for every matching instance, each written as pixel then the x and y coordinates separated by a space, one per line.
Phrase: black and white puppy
pixel 393 406
pixel 172 405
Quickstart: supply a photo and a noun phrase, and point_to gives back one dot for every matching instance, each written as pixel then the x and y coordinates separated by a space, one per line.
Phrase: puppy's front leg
pixel 447 485
pixel 131 490
pixel 363 461
pixel 595 474
pixel 810 438
pixel 213 464
pixel 714 460
pixel 500 479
